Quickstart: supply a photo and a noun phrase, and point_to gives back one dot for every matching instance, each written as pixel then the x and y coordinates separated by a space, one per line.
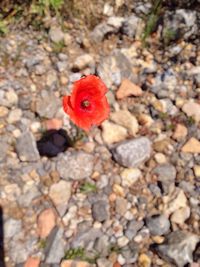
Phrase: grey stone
pixel 158 224
pixel 132 228
pixel 121 205
pixel 26 147
pixel 166 175
pixel 102 245
pixel 61 66
pixel 56 35
pixel 3 150
pixel 178 248
pixel 112 69
pixel 55 251
pixel 102 262
pixel 100 210
pixel 133 152
pixel 30 194
pixel 12 227
pixel 47 105
pixel 75 165
pixel 130 253
pixel 130 25
pixel 83 238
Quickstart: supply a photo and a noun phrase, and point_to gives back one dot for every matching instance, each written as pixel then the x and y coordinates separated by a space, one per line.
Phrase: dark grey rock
pixel 131 252
pixel 55 249
pixel 158 224
pixel 75 165
pixel 166 175
pixel 26 147
pixel 132 153
pixel 178 248
pixel 132 228
pixel 100 210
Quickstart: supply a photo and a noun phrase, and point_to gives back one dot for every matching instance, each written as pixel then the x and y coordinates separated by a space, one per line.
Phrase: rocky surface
pixel 126 193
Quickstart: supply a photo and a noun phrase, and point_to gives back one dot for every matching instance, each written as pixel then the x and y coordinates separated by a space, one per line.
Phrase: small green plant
pixel 152 19
pixel 169 35
pixel 80 254
pixel 115 248
pixel 3 28
pixel 190 121
pixel 88 188
pixel 42 244
pixel 58 47
pixel 42 7
pixel 163 115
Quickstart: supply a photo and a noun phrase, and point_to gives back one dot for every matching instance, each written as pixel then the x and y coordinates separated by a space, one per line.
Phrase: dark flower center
pixel 85 104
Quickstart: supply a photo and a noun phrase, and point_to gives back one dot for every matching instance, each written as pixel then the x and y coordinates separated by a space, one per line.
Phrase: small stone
pixel 102 262
pixel 26 147
pixel 133 152
pixel 144 260
pixel 122 241
pixel 130 176
pixel 63 80
pixel 60 192
pixel 79 165
pixel 77 263
pixel 180 132
pixel 12 227
pixel 14 115
pixel 67 39
pixel 158 224
pixel 161 145
pixel 113 133
pixel 102 245
pixel 125 119
pixel 118 190
pixel 127 88
pixel 133 227
pixel 174 245
pixel 3 111
pixel 191 146
pixel 197 170
pixel 32 262
pixel 180 215
pixel 12 98
pixel 83 61
pixel 53 124
pixel 46 222
pixel 62 65
pixel 56 35
pixel 160 158
pixel 176 201
pixel 100 211
pixel 192 109
pixel 35 126
pixel 121 206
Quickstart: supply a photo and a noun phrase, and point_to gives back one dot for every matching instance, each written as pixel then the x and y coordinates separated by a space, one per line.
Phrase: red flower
pixel 87 105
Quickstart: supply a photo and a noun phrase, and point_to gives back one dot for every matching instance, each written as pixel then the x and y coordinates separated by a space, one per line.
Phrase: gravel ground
pixel 127 193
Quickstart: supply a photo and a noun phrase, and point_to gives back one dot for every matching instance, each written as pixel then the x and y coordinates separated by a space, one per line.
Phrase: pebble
pixel 79 165
pixel 191 146
pixel 26 147
pixel 56 35
pixel 144 260
pixel 122 241
pixel 130 176
pixel 12 227
pixel 46 222
pixel 180 132
pixel 192 109
pixel 60 192
pixel 158 224
pixel 125 119
pixel 14 116
pixel 32 262
pixel 133 152
pixel 83 61
pixel 3 111
pixel 113 133
pixel 127 88
pixel 180 215
pixel 197 170
pixel 100 211
pixel 121 206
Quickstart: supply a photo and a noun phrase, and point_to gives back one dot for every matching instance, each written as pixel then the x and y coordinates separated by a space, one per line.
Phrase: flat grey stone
pixel 26 147
pixel 75 165
pixel 100 210
pixel 133 152
pixel 158 224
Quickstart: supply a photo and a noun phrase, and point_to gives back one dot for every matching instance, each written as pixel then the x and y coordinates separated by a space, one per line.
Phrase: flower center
pixel 85 104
